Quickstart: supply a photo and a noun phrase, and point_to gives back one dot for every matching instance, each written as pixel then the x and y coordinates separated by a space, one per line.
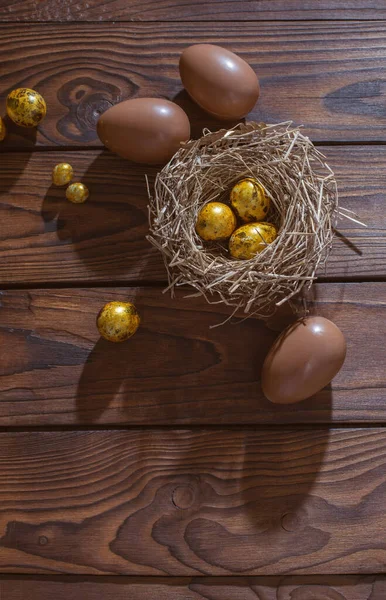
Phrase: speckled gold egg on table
pixel 3 130
pixel 62 174
pixel 118 321
pixel 77 193
pixel 251 239
pixel 249 200
pixel 215 221
pixel 26 107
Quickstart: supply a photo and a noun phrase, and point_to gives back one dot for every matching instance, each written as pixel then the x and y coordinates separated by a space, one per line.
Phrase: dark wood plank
pixel 178 10
pixel 326 75
pixel 44 238
pixel 54 370
pixel 295 587
pixel 194 503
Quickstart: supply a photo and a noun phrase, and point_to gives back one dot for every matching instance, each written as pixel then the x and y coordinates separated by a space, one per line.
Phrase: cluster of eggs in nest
pixel 241 222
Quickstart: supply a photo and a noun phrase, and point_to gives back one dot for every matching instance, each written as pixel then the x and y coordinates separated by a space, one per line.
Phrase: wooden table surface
pixel 157 469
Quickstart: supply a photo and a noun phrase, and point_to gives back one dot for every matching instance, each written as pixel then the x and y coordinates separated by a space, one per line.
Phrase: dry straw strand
pixel 304 208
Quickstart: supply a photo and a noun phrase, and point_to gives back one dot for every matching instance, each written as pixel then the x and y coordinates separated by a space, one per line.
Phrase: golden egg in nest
pixel 216 221
pixel 249 200
pixel 26 107
pixel 251 239
pixel 77 193
pixel 3 130
pixel 118 321
pixel 62 174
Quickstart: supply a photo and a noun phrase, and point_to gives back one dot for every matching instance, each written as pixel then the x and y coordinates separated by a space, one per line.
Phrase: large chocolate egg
pixel 219 81
pixel 303 360
pixel 145 130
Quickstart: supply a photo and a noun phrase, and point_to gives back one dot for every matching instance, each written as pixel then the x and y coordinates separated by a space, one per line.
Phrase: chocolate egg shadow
pixel 18 137
pixel 107 232
pixel 283 517
pixel 199 118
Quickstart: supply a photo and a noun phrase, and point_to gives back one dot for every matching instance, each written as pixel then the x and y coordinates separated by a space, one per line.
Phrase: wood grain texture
pixel 295 587
pixel 44 238
pixel 54 369
pixel 328 76
pixel 194 503
pixel 181 10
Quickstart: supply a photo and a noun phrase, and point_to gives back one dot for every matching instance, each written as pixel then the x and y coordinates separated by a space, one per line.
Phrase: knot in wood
pixel 290 521
pixel 183 497
pixel 86 99
pixel 43 540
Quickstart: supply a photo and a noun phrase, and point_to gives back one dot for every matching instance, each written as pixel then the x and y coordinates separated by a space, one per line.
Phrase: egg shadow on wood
pixel 108 231
pixel 282 517
pixel 102 379
pixel 19 137
pixel 22 138
pixel 260 510
pixel 199 118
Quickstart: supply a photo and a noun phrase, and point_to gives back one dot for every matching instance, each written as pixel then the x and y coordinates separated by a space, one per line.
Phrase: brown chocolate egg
pixel 145 130
pixel 303 360
pixel 219 81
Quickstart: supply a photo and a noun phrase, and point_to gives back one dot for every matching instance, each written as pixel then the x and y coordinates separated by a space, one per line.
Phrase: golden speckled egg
pixel 62 174
pixel 249 200
pixel 26 107
pixel 77 193
pixel 250 239
pixel 3 130
pixel 118 321
pixel 215 221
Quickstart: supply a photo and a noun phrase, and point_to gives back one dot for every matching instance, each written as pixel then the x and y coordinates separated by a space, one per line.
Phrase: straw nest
pixel 304 208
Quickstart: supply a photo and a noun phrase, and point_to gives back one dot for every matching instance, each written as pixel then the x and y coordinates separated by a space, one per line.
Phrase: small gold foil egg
pixel 118 321
pixel 215 221
pixel 248 240
pixel 77 193
pixel 26 107
pixel 3 130
pixel 62 174
pixel 249 200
